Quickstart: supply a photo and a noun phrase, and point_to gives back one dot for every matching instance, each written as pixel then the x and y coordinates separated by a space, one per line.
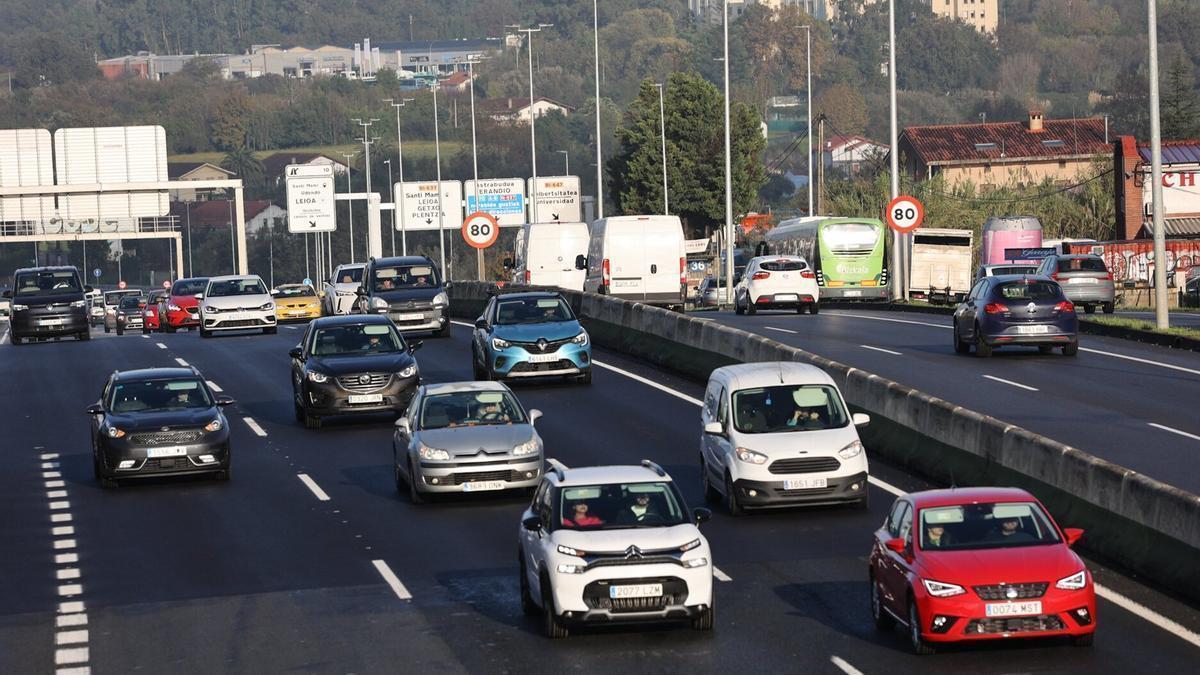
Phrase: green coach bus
pixel 847 254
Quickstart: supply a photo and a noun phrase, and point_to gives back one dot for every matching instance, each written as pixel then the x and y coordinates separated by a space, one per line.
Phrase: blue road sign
pixel 96 272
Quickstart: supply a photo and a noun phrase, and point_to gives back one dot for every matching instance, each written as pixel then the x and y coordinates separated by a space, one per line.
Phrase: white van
pixel 638 258
pixel 545 255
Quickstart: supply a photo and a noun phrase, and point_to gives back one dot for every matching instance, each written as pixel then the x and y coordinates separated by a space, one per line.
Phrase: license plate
pixel 852 294
pixel 365 398
pixel 1033 330
pixel 626 283
pixel 543 358
pixel 298 312
pixel 483 485
pixel 786 297
pixel 805 483
pixel 166 452
pixel 409 317
pixel 1014 608
pixel 636 591
pixel 52 322
pixel 238 316
pixel 1083 280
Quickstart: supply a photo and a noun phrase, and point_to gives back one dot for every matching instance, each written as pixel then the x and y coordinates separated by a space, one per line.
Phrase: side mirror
pixel 402 425
pixel 861 419
pixel 534 415
pixel 360 291
pixel 296 353
pixel 508 263
pixel 8 294
pixel 320 294
pixel 86 289
pixel 701 515
pixel 897 545
pixel 414 345
pixel 199 296
pixel 1073 535
pixel 223 401
pixel 714 428
pixel 481 323
pixel 448 284
pixel 532 523
pixel 581 262
pixel 95 409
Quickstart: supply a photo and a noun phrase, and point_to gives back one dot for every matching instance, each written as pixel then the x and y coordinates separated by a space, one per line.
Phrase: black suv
pixel 48 302
pixel 410 291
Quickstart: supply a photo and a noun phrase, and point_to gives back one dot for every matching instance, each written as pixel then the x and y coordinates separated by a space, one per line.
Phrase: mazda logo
pixel 1011 593
pixel 633 552
pixel 364 379
pixel 541 343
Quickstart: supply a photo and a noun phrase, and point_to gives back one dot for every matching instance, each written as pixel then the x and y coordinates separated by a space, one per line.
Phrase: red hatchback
pixel 152 315
pixel 979 564
pixel 182 307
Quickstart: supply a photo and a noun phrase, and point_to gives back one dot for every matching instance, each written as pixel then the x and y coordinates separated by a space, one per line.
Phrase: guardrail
pixel 1134 521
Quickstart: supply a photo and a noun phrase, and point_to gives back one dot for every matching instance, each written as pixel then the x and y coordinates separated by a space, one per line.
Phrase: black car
pixel 1016 310
pixel 409 291
pixel 158 422
pixel 131 314
pixel 347 365
pixel 48 302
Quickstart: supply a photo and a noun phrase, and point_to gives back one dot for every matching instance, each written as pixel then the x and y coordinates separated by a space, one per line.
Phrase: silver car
pixel 465 437
pixel 1084 278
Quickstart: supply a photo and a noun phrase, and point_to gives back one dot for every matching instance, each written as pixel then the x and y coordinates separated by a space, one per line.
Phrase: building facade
pixel 1134 188
pixel 195 171
pixel 982 15
pixel 516 110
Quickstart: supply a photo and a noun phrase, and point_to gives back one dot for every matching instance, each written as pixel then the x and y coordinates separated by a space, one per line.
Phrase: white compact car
pixel 341 291
pixel 777 282
pixel 778 434
pixel 236 303
pixel 613 543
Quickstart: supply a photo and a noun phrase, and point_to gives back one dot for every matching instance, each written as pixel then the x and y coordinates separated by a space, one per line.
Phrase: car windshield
pixel 782 265
pixel 295 292
pixel 375 338
pixel 619 506
pixel 532 310
pixel 47 283
pixel 789 407
pixel 470 408
pixel 150 395
pixel 1081 265
pixel 1028 290
pixel 130 302
pixel 189 286
pixel 348 275
pixel 987 525
pixel 114 297
pixel 404 276
pixel 230 287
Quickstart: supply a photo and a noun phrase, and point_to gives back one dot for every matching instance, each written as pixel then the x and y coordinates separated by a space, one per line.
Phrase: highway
pixel 1126 402
pixel 309 561
pixel 1182 319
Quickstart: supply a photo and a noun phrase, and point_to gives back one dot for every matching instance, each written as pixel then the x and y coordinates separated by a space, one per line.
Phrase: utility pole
pixel 437 147
pixel 532 118
pixel 662 128
pixel 728 169
pixel 599 154
pixel 392 199
pixel 1162 317
pixel 899 283
pixel 471 61
pixel 820 154
pixel 400 169
pixel 349 203
pixel 808 112
pixel 366 141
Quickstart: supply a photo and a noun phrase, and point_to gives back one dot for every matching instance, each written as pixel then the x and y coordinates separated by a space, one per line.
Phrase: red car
pixel 151 316
pixel 182 307
pixel 979 564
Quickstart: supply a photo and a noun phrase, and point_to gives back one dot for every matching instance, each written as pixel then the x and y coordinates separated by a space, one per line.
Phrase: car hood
pixel 238 301
pixel 183 301
pixel 346 286
pixel 531 332
pixel 401 295
pixel 147 421
pixel 361 363
pixel 302 301
pixel 468 441
pixel 47 299
pixel 814 443
pixel 617 541
pixel 1019 564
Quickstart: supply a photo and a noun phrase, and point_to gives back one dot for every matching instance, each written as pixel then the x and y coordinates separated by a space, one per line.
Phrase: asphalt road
pixel 258 575
pixel 1182 319
pixel 1129 403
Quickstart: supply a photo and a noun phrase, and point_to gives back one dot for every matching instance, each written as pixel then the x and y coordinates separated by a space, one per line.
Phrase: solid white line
pixel 181 362
pixel 639 378
pixel 66 558
pixel 781 330
pixel 885 351
pixel 69 620
pixel 1148 614
pixel 313 487
pixel 1010 382
pixel 213 385
pixel 70 607
pixel 721 575
pixel 884 485
pixel 70 589
pixel 392 580
pixel 67 573
pixel 1174 431
pixel 882 318
pixel 1140 360
pixel 76 655
pixel 60 517
pixel 844 666
pixel 161 345
pixel 254 426
pixel 64 543
pixel 71 637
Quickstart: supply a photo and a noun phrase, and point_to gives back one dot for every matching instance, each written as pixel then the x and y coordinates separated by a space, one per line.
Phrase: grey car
pixel 1084 278
pixel 466 437
pixel 997 269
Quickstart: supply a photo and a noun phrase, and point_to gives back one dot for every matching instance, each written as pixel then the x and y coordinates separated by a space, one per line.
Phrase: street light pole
pixel 437 146
pixel 350 204
pixel 532 119
pixel 400 170
pixel 471 61
pixel 1162 317
pixel 392 199
pixel 662 127
pixel 728 168
pixel 599 155
pixel 899 283
pixel 366 141
pixel 808 113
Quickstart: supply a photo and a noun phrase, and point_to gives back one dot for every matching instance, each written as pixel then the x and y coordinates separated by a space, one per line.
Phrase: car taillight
pixel 1065 306
pixel 808 274
pixel 528 277
pixel 683 271
pixel 607 271
pixel 1109 276
pixel 995 308
pixel 760 275
pixel 1054 276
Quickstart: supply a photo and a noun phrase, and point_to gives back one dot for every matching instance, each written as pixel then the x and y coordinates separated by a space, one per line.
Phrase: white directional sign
pixel 557 199
pixel 503 198
pixel 310 198
pixel 420 203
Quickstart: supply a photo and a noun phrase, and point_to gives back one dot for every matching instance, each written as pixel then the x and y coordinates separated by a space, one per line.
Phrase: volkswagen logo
pixel 633 552
pixel 541 343
pixel 1011 593
pixel 364 379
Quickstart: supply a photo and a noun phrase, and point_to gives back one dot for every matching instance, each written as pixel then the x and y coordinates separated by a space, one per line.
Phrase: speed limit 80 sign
pixel 480 229
pixel 905 214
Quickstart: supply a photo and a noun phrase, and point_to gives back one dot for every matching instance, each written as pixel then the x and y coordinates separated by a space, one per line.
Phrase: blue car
pixel 526 333
pixel 1026 310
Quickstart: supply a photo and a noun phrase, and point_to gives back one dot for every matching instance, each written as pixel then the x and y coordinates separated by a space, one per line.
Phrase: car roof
pixel 971 495
pixel 403 260
pixel 143 374
pixel 606 475
pixel 351 320
pixel 293 286
pixel 236 277
pixel 1001 278
pixel 47 268
pixel 461 387
pixel 528 294
pixel 768 373
pixel 992 266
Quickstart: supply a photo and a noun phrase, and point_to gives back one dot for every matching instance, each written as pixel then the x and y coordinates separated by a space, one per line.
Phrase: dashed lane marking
pixel 1174 431
pixel 254 426
pixel 844 666
pixel 721 576
pixel 881 349
pixel 1010 383
pixel 181 362
pixel 392 580
pixel 781 330
pixel 160 345
pixel 313 487
pixel 213 385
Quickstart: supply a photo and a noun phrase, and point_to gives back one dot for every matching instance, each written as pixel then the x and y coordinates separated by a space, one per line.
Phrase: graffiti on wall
pixel 1134 260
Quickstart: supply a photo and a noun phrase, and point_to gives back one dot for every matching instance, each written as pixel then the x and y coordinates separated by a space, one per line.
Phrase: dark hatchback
pixel 350 365
pixel 48 302
pixel 158 422
pixel 409 291
pixel 1016 310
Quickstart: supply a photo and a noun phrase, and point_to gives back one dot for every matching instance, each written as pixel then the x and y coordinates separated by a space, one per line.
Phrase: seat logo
pixel 1011 593
pixel 633 552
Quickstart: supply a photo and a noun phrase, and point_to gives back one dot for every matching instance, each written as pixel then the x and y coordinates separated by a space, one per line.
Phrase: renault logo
pixel 1011 593
pixel 541 343
pixel 633 552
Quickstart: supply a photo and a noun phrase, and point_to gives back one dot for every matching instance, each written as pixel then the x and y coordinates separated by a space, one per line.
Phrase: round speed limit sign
pixel 904 214
pixel 480 229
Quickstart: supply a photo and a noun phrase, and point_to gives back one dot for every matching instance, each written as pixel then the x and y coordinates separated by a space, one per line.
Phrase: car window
pixel 1027 290
pixel 986 525
pixel 782 265
pixel 295 292
pixel 188 286
pixel 514 311
pixel 722 407
pixel 404 276
pixel 978 289
pixel 372 338
pixel 348 275
pixel 1081 265
pixel 545 506
pixel 130 302
pixel 618 506
pixel 151 395
pixel 470 408
pixel 113 298
pixel 788 407
pixel 60 282
pixel 232 287
pixel 905 530
pixel 711 398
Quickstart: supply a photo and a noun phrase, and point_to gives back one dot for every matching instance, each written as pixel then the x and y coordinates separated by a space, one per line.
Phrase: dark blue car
pixel 530 334
pixel 1016 310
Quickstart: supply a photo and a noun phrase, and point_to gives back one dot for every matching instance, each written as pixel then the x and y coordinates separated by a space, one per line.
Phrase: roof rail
pixel 654 467
pixel 557 467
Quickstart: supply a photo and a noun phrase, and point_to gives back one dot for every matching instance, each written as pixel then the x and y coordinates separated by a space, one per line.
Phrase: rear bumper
pixel 855 293
pixel 1089 294
pixel 774 302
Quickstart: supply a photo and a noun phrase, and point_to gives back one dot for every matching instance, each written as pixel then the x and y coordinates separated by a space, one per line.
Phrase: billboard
pixel 92 155
pixel 26 160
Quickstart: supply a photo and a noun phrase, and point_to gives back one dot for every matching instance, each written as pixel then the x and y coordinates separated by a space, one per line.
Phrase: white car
pixel 236 303
pixel 613 543
pixel 777 282
pixel 778 434
pixel 341 290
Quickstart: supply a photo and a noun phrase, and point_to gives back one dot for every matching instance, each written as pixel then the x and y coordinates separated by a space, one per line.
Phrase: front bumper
pixel 297 313
pixel 774 494
pixel 130 322
pixel 418 319
pixel 1063 613
pixel 330 398
pixel 585 598
pixel 115 451
pixel 183 318
pixel 31 324
pixel 264 318
pixel 518 361
pixel 455 477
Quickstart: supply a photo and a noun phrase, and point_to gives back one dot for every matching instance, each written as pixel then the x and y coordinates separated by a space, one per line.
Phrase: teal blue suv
pixel 524 333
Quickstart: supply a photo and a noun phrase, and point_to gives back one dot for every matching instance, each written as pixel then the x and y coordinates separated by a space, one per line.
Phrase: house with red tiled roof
pixel 995 154
pixel 456 83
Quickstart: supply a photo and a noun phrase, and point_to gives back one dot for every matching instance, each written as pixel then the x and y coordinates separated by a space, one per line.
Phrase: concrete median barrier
pixel 1136 522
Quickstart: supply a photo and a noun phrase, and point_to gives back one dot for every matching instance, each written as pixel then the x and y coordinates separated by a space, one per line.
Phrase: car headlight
pixel 408 372
pixel 268 305
pixel 695 543
pixel 79 303
pixel 113 432
pixel 426 452
pixel 440 300
pixel 581 339
pixel 569 568
pixel 214 425
pixel 379 304
pixel 497 343
pixel 318 377
pixel 174 308
pixel 695 562
pixel 527 448
pixel 567 550
pixel 1074 582
pixel 751 457
pixel 942 590
pixel 19 308
pixel 149 312
pixel 851 451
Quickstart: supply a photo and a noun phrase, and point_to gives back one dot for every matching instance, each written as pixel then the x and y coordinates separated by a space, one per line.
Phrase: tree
pixel 1180 107
pixel 845 108
pixel 242 162
pixel 230 123
pixel 695 148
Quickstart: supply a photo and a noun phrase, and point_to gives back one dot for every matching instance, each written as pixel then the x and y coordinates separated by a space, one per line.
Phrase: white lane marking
pixel 63 531
pixel 70 589
pixel 58 506
pixel 55 483
pixel 83 670
pixel 1010 383
pixel 1148 614
pixel 4 338
pixel 181 362
pixel 71 637
pixel 67 573
pixel 64 543
pixel 292 327
pixel 392 580
pixel 882 318
pixel 721 575
pixel 161 345
pixel 885 351
pixel 71 607
pixel 639 378
pixel 51 474
pixel 60 517
pixel 313 487
pixel 884 485
pixel 49 465
pixel 1148 362
pixel 69 620
pixel 49 455
pixel 254 426
pixel 145 337
pixel 1174 431
pixel 75 655
pixel 781 330
pixel 844 666
pixel 66 558
pixel 213 385
pixel 56 494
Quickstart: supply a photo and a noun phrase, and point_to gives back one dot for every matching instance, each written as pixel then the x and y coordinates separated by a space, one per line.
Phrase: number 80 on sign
pixel 905 214
pixel 480 229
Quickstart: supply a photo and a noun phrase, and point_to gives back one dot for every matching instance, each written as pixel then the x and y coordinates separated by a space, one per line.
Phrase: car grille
pixel 804 465
pixel 619 561
pixel 1014 624
pixel 460 478
pixel 525 367
pixel 166 464
pixel 533 348
pixel 166 437
pixel 242 323
pixel 375 381
pixel 999 591
pixel 675 592
pixel 193 311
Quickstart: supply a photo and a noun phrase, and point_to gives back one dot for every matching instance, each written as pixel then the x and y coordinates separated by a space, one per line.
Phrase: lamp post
pixel 808 112
pixel 662 128
pixel 437 147
pixel 566 162
pixel 471 60
pixel 392 199
pixel 1162 318
pixel 400 170
pixel 349 203
pixel 532 118
pixel 899 282
pixel 366 141
pixel 728 166
pixel 599 155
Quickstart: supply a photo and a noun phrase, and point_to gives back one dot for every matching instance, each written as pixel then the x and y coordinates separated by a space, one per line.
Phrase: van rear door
pixel 662 244
pixel 625 250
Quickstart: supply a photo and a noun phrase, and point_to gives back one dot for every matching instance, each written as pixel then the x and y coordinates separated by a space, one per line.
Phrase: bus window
pixel 850 238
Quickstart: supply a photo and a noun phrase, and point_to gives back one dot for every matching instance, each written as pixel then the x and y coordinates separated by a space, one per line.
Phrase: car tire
pixel 414 495
pixel 297 409
pixel 1084 640
pixel 106 328
pixel 800 308
pixel 585 378
pixel 737 308
pixel 444 331
pixel 224 475
pixel 883 620
pixel 168 328
pixel 271 330
pixel 960 347
pixel 1071 349
pixel 145 330
pixel 311 421
pixel 731 501
pixel 814 308
pixel 1089 309
pixel 85 336
pixel 553 628
pixel 1109 307
pixel 708 618
pixel 16 340
pixel 919 646
pixel 750 309
pixel 982 349
pixel 205 333
pixel 528 606
pixel 120 331
pixel 401 486
pixel 863 504
pixel 711 494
